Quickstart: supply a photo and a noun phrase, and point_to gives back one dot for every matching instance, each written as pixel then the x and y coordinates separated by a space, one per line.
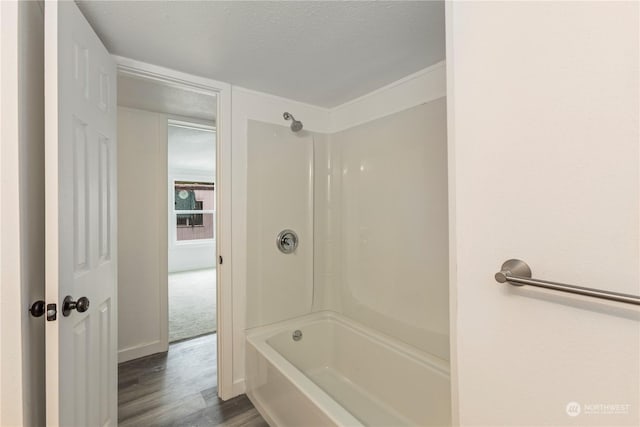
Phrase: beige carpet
pixel 192 304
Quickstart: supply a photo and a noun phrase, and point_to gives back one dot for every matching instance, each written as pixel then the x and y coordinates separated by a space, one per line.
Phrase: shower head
pixel 296 125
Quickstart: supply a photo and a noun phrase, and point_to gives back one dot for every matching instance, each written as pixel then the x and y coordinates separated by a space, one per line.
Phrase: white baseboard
pixel 141 350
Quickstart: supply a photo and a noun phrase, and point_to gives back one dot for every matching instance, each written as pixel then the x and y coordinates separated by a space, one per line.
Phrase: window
pixel 194 206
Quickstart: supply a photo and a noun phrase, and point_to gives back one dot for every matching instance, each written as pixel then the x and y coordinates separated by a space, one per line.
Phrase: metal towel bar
pixel 517 273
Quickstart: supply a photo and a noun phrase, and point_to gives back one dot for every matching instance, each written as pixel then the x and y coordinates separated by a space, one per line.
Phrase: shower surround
pixel 367 286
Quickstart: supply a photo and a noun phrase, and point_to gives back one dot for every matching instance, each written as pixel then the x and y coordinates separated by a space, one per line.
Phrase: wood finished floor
pixel 178 388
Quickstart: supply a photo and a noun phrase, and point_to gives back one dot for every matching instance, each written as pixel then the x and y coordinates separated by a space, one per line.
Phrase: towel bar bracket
pixel 513 267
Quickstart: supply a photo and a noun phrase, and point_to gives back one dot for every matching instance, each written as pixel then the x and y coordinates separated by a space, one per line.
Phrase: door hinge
pixel 52 312
pixel 220 259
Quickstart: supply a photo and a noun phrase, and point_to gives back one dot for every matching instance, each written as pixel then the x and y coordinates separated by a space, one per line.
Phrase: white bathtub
pixel 341 373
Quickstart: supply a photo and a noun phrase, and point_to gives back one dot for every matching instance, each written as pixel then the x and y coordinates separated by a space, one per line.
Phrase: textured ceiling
pixel 150 95
pixel 191 150
pixel 323 53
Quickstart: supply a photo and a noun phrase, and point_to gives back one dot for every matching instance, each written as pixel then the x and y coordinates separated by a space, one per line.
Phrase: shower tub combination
pixel 324 369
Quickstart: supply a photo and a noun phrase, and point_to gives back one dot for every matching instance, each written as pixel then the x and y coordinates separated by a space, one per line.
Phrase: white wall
pixel 21 212
pixel 142 233
pixel 385 239
pixel 415 89
pixel 544 166
pixel 3 64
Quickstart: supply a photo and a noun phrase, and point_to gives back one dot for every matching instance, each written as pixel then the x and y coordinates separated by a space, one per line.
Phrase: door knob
pixel 37 308
pixel 69 304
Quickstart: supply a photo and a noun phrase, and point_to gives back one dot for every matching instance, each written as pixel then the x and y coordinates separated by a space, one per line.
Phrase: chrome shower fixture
pixel 296 125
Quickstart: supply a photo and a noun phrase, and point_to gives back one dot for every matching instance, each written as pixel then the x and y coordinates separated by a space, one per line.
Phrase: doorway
pixel 167 191
pixel 191 233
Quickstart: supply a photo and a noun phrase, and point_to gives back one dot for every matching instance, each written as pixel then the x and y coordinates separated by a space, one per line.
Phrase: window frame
pixel 176 212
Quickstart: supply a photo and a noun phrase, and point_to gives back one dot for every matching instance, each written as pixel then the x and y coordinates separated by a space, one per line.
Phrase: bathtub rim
pixel 259 336
pixel 393 344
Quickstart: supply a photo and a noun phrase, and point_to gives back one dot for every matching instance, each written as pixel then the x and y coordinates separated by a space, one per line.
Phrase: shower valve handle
pixel 287 241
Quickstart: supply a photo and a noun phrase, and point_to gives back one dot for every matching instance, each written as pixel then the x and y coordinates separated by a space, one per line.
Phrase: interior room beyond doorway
pixel 192 245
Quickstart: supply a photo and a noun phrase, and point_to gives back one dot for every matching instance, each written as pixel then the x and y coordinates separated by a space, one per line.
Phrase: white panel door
pixel 80 117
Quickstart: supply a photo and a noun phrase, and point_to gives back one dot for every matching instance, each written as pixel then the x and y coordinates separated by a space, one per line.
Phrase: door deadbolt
pixel 69 304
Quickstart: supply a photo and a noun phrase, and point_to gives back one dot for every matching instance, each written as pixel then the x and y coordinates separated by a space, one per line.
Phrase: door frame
pixel 222 91
pixel 11 301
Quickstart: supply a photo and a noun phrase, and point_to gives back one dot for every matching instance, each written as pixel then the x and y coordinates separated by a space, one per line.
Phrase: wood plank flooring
pixel 178 388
